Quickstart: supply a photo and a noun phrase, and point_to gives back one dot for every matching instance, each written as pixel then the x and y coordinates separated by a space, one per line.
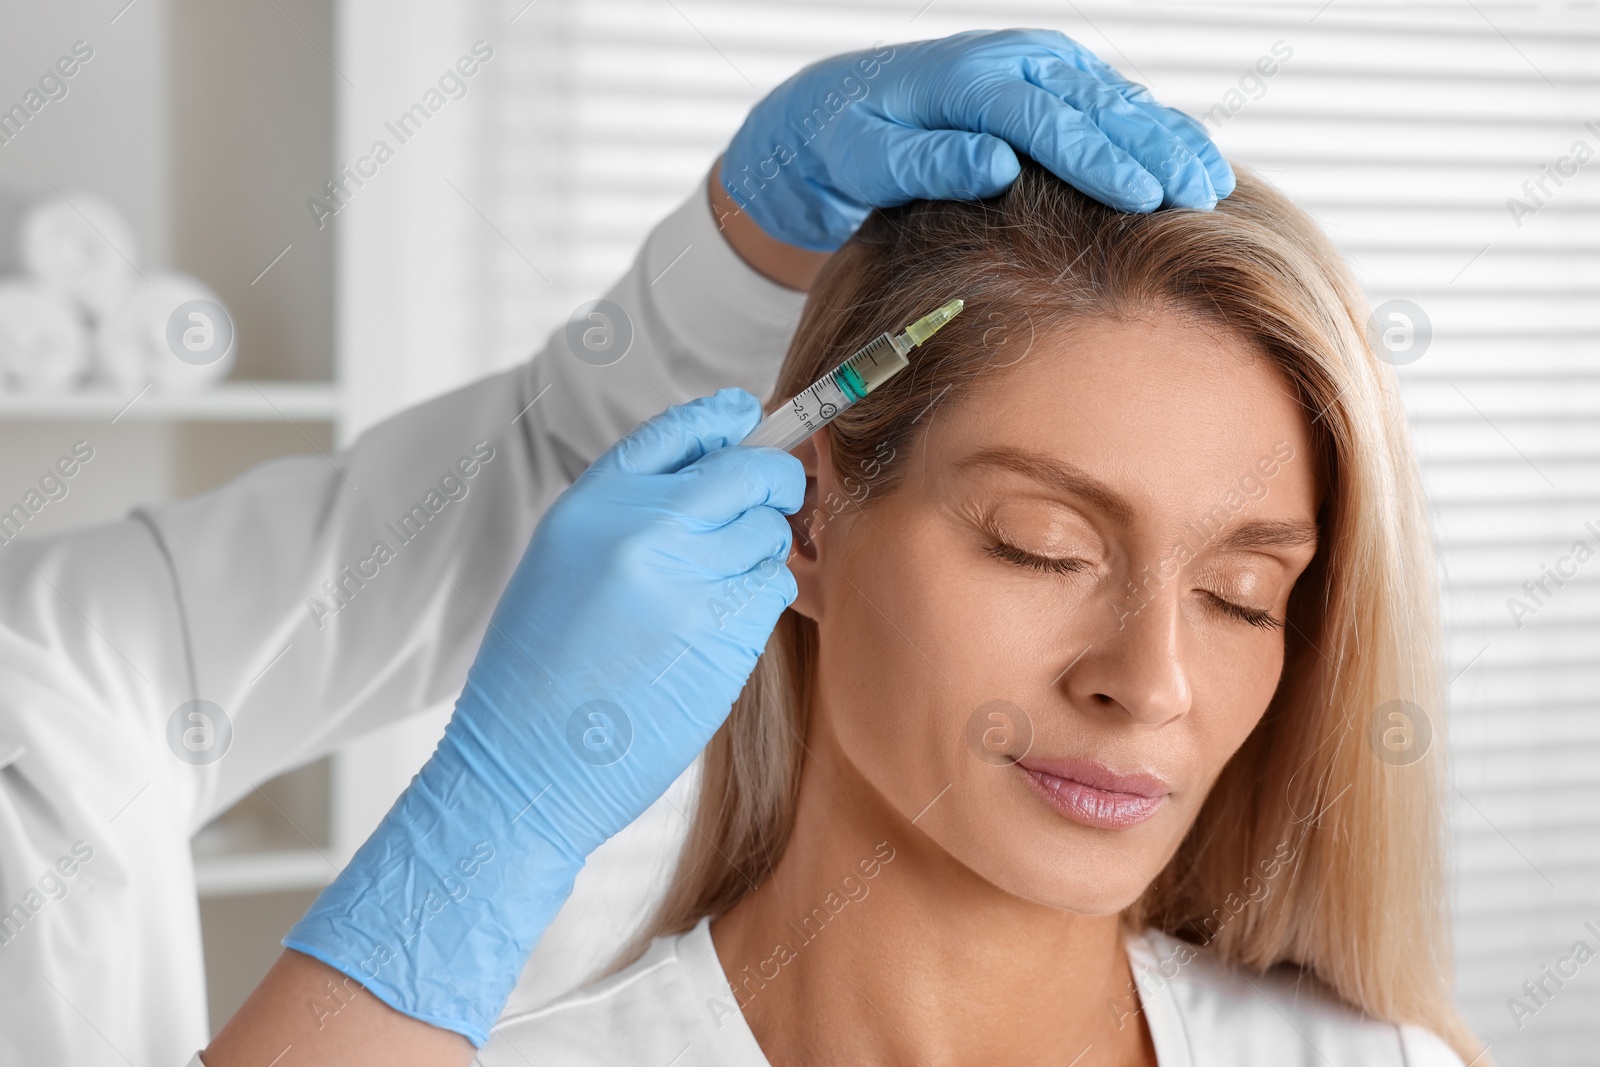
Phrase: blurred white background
pixel 1407 130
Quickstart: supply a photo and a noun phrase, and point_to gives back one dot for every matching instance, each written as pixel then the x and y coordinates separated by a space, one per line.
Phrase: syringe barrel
pixel 822 402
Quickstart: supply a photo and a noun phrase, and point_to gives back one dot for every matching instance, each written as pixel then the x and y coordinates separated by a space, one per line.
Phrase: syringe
pixel 820 403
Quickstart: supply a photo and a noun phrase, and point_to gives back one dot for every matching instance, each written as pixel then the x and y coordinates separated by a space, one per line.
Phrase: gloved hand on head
pixel 944 120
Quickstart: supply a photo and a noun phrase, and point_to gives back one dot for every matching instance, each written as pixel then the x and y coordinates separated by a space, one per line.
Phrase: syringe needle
pixel 929 324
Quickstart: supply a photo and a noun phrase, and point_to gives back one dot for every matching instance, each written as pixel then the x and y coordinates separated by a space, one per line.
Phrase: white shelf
pixel 227 402
pixel 249 873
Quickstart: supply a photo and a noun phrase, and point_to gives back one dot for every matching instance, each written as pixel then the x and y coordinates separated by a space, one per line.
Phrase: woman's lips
pixel 1094 795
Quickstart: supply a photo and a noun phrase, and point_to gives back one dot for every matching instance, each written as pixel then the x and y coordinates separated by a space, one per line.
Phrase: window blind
pixel 1438 144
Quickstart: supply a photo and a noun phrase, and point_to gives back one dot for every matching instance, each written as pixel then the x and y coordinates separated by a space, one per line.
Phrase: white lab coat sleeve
pixel 325 597
pixel 309 601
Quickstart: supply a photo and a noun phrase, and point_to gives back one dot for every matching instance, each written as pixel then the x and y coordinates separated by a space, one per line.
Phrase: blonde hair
pixel 1362 904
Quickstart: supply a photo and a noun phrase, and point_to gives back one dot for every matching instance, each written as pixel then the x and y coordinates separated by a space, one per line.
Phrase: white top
pixel 106 631
pixel 675 1006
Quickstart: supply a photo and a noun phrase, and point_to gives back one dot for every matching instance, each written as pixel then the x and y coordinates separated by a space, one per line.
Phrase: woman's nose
pixel 1134 664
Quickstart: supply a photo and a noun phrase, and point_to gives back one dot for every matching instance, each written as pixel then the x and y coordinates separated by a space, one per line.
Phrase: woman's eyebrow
pixel 1074 480
pixel 1056 473
pixel 1269 533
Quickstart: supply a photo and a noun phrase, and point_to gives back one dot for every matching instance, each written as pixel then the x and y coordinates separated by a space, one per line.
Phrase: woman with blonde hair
pixel 1084 740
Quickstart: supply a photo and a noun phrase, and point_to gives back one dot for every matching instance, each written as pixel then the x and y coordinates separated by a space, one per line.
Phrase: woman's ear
pixel 815 454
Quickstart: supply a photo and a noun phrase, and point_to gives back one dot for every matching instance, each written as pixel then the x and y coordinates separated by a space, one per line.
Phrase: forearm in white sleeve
pixel 324 598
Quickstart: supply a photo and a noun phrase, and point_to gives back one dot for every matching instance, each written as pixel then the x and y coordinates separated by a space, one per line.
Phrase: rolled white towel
pixel 44 341
pixel 173 332
pixel 80 243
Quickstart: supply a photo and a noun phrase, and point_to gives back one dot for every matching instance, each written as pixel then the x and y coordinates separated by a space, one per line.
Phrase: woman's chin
pixel 1080 890
pixel 1024 848
pixel 1088 891
pixel 1089 877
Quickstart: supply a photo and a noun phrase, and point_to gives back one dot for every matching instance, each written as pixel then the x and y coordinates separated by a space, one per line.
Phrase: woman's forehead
pixel 1152 407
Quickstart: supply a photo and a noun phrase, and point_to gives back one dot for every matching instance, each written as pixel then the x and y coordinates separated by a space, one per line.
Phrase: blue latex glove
pixel 939 120
pixel 614 654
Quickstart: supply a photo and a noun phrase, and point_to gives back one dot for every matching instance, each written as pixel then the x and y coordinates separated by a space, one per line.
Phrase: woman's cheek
pixel 1232 687
pixel 917 657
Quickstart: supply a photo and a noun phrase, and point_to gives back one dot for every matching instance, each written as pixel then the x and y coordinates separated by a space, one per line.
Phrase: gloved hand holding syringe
pixel 554 747
pixel 600 679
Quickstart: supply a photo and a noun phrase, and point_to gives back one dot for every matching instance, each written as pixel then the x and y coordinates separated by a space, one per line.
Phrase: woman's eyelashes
pixel 1023 558
pixel 1260 618
pixel 1257 617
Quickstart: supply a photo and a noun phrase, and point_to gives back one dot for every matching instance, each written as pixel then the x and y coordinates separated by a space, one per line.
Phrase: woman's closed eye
pixel 1261 618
